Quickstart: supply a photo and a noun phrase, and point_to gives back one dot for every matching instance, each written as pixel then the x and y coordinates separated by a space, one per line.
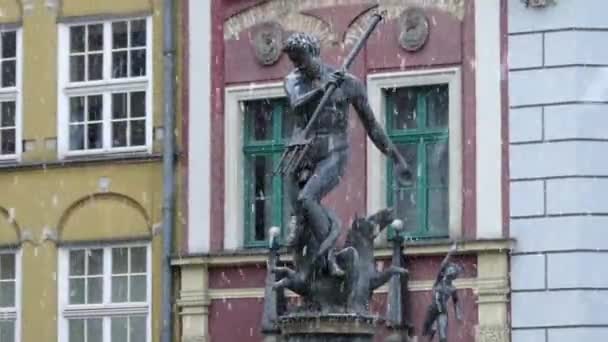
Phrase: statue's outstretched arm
pixel 366 115
pixel 376 133
pixel 448 256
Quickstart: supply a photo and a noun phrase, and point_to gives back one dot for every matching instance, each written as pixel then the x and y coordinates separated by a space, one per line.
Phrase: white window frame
pixel 234 221
pixel 377 84
pixel 106 86
pixel 15 94
pixel 107 309
pixel 14 312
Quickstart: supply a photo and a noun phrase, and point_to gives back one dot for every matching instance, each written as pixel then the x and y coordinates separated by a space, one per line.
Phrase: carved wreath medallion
pixel 267 42
pixel 414 29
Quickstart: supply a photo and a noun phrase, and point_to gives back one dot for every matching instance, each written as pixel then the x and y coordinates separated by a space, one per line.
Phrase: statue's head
pixel 302 48
pixel 452 271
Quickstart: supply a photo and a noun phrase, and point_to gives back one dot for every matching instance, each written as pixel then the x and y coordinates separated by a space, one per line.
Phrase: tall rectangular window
pixel 267 125
pixel 105 294
pixel 417 122
pixel 105 87
pixel 10 105
pixel 9 296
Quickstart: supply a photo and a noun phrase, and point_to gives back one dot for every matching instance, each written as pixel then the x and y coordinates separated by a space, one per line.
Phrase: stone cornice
pixel 259 256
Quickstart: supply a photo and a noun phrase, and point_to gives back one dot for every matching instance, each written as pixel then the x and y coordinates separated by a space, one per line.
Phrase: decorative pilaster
pixel 193 303
pixel 493 297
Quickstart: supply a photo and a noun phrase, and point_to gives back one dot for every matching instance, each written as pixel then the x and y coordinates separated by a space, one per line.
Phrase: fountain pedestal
pixel 327 328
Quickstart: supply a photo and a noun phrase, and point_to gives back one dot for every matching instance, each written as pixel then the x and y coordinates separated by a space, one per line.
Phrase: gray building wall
pixel 558 90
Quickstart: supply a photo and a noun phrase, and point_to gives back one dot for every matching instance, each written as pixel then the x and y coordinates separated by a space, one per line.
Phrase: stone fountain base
pixel 327 328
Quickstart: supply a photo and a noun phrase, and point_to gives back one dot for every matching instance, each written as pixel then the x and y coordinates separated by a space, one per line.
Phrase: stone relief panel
pixel 289 15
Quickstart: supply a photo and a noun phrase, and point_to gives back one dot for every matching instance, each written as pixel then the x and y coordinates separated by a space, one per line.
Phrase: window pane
pixel 138 288
pixel 8 73
pixel 7 294
pixel 120 289
pixel 259 114
pixel 119 64
pixel 261 180
pixel 119 105
pixel 119 329
pixel 94 136
pixel 95 107
pixel 287 209
pixel 76 137
pixel 437 106
pixel 406 208
pixel 95 262
pixel 438 164
pixel 7 331
pixel 138 260
pixel 138 62
pixel 138 33
pixel 95 330
pixel 7 141
pixel 406 199
pixel 77 39
pixel 77 109
pixel 7 266
pixel 95 37
pixel 95 66
pixel 438 214
pixel 138 328
pixel 76 330
pixel 404 108
pixel 8 114
pixel 289 121
pixel 138 132
pixel 119 34
pixel 119 134
pixel 138 104
pixel 94 290
pixel 9 44
pixel 120 260
pixel 77 291
pixel 76 68
pixel 77 262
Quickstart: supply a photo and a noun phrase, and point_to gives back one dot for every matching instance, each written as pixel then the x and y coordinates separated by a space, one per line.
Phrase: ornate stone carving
pixel 414 27
pixel 289 14
pixel 267 42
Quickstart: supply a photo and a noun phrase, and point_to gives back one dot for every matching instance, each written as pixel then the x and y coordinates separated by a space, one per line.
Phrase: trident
pixel 298 147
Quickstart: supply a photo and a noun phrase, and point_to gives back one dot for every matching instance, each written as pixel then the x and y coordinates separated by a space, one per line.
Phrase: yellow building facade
pixel 80 169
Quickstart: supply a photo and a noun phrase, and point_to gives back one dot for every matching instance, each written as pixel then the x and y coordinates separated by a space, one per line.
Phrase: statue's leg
pixel 295 225
pixel 325 178
pixel 293 282
pixel 442 322
pixel 429 320
pixel 327 247
pixel 283 271
pixel 383 277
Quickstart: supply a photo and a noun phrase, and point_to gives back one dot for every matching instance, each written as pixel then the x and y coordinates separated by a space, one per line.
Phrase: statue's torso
pixel 333 119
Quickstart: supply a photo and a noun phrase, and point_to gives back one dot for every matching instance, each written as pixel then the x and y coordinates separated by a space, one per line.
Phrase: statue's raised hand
pixel 403 173
pixel 336 78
